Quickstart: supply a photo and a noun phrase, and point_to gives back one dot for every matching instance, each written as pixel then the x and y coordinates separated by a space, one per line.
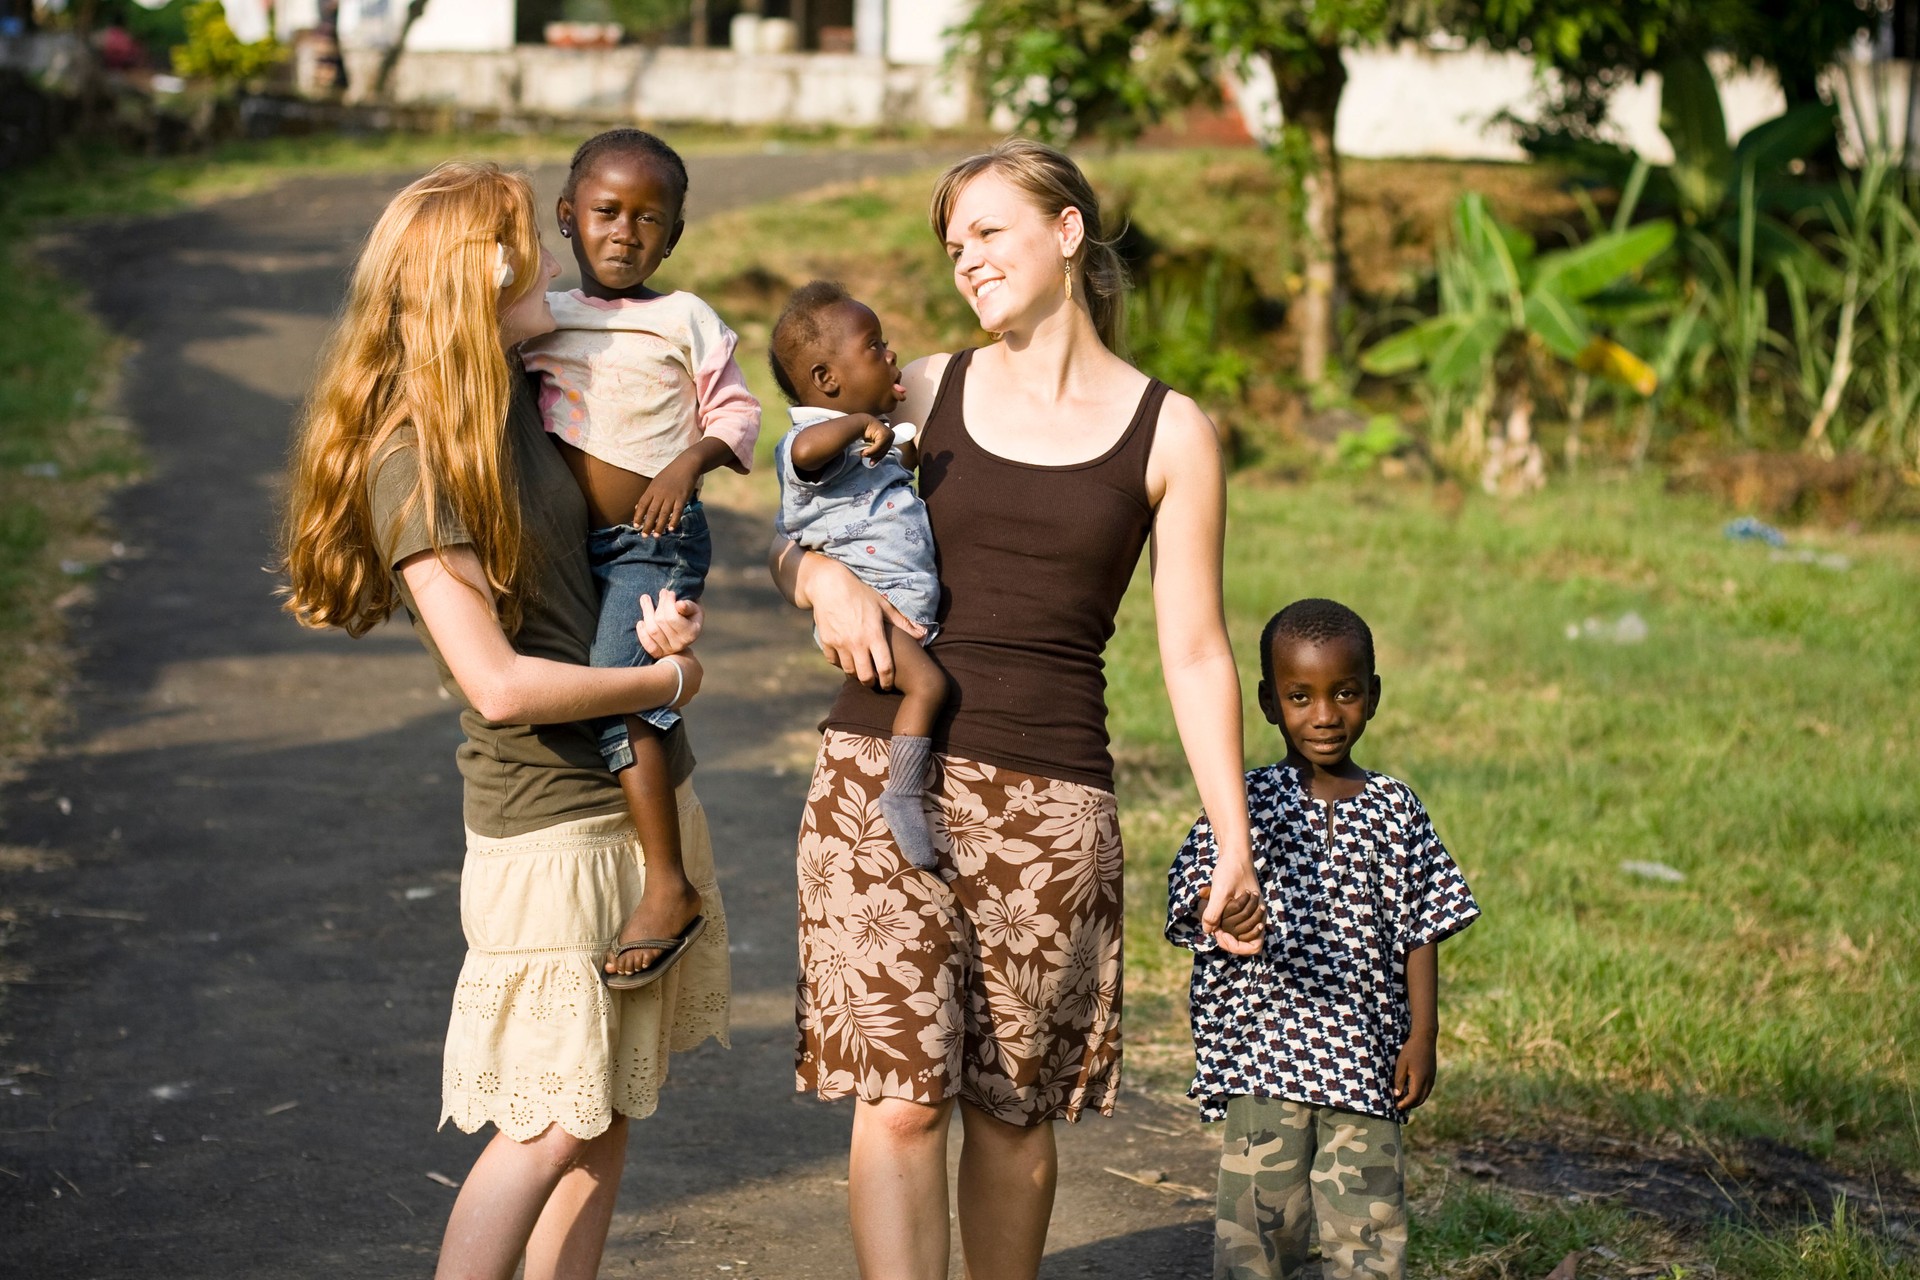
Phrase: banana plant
pixel 1506 312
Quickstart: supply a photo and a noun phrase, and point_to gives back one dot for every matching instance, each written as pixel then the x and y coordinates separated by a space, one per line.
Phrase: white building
pixel 869 63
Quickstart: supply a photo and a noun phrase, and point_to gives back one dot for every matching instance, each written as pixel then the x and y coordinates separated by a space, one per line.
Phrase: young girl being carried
pixel 641 391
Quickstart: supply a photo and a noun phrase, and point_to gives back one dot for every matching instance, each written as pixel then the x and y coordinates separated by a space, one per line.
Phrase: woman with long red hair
pixel 422 477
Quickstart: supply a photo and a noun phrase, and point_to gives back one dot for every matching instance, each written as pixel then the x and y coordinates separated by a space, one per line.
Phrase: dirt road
pixel 237 878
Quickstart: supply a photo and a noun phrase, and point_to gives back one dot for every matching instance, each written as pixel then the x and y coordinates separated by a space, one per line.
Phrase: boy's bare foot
pixel 664 911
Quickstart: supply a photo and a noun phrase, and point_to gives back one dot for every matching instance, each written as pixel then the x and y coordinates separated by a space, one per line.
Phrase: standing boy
pixel 1314 1050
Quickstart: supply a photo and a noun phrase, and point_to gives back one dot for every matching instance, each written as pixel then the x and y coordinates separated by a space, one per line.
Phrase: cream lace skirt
pixel 536 1038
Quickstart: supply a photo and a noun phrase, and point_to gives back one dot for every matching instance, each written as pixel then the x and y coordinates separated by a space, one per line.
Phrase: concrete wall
pixel 713 86
pixel 916 29
pixel 445 26
pixel 1414 101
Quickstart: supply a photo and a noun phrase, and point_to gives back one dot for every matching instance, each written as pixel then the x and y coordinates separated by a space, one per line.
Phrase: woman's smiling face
pixel 1009 259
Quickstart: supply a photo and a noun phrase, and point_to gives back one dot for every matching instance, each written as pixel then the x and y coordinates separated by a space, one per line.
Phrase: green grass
pixel 58 456
pixel 1761 741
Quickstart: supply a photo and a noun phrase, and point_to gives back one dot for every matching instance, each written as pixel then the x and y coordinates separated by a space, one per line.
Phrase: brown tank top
pixel 1033 562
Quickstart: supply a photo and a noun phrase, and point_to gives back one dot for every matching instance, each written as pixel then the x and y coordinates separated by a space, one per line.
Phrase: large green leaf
pixel 1557 321
pixel 1461 356
pixel 1792 135
pixel 1411 348
pixel 1691 118
pixel 1586 269
pixel 1501 256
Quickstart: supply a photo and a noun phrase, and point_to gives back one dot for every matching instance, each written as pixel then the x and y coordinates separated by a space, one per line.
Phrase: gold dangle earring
pixel 1069 264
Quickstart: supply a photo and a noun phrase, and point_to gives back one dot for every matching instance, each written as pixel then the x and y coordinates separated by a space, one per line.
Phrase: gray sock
pixel 908 764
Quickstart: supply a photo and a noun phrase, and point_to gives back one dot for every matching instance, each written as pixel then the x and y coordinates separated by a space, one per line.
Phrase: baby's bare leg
pixel 910 759
pixel 921 682
pixel 668 901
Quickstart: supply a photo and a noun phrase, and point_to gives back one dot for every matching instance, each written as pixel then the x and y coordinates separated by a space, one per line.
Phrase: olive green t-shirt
pixel 520 777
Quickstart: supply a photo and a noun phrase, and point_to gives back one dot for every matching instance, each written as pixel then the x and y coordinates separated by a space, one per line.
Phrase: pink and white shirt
pixel 635 381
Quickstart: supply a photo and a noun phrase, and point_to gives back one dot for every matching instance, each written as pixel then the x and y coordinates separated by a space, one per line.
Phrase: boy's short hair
pixel 1314 621
pixel 626 141
pixel 798 330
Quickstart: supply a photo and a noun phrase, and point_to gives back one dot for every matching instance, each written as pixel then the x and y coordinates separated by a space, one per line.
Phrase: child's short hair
pixel 630 142
pixel 798 330
pixel 1314 621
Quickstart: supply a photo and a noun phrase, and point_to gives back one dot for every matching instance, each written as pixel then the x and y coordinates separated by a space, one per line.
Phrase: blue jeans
pixel 628 564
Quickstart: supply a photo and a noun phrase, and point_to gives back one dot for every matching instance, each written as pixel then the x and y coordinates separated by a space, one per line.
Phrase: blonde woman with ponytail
pixel 422 477
pixel 1046 463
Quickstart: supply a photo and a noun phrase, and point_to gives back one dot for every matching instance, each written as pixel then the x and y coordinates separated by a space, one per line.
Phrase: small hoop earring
pixel 1069 266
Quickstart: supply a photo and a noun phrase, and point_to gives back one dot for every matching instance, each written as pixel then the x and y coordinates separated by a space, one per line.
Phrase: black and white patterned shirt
pixel 1320 1014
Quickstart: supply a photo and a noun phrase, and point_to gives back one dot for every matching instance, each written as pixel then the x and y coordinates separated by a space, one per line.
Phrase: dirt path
pixel 236 881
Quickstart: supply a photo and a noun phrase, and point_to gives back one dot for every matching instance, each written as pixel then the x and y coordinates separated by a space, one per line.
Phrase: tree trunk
pixel 1309 103
pixel 382 79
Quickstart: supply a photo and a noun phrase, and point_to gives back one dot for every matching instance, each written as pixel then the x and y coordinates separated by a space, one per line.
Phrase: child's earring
pixel 502 268
pixel 566 232
pixel 1069 267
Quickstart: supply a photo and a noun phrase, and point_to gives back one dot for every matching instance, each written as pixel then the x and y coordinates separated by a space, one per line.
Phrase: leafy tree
pixel 1301 43
pixel 1077 71
pixel 213 52
pixel 1595 46
pixel 1109 68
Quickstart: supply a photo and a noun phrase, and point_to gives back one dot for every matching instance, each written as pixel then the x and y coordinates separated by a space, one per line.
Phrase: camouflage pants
pixel 1285 1166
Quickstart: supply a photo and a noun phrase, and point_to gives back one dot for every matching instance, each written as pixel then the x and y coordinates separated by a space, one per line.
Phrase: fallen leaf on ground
pixel 1478 1168
pixel 1158 1181
pixel 1568 1269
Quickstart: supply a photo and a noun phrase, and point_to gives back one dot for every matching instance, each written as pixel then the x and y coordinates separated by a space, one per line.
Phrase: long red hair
pixel 416 349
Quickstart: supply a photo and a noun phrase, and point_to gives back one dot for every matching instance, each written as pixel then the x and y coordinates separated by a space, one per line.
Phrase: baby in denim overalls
pixel 846 492
pixel 641 390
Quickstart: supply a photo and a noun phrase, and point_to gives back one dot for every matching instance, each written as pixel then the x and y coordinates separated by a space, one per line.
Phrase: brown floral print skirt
pixel 998 979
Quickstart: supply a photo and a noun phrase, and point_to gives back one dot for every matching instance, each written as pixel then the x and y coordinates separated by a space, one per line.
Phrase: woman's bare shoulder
pixel 921 378
pixel 1186 445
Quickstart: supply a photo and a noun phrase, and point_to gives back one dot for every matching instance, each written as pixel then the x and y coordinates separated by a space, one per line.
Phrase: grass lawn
pixel 1761 742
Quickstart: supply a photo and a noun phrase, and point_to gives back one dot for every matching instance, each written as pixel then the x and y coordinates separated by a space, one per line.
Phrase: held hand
pixel 1246 922
pixel 849 617
pixel 1413 1071
pixel 1234 899
pixel 669 626
pixel 667 495
pixel 879 437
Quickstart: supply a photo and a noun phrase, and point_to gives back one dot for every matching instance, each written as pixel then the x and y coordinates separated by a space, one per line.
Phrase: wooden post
pixel 697 23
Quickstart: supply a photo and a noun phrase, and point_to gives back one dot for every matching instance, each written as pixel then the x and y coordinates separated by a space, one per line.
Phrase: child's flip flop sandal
pixel 671 950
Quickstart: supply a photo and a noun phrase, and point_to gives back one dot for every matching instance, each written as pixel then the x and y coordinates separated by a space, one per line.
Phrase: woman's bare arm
pixel 511 688
pixel 1203 684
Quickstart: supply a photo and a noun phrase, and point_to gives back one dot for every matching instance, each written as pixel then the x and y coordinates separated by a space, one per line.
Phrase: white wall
pixel 447 26
pixel 916 29
pixel 634 82
pixel 1410 100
